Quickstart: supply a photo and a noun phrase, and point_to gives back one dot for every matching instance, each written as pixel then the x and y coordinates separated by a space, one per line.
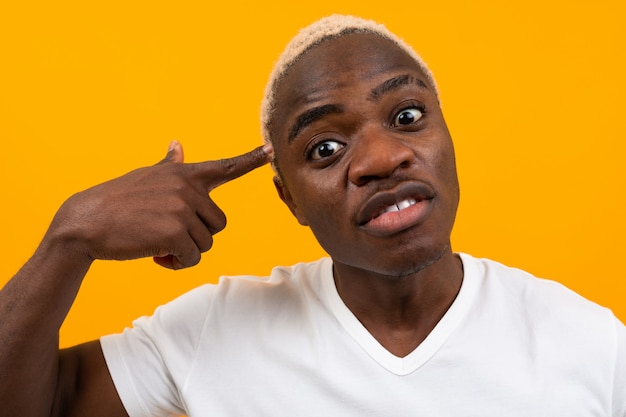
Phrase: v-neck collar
pixel 433 342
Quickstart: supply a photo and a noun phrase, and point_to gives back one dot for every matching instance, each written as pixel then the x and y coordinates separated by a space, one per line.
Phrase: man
pixel 394 324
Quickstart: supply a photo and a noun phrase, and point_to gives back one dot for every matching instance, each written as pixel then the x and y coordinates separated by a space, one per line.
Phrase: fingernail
pixel 173 145
pixel 268 149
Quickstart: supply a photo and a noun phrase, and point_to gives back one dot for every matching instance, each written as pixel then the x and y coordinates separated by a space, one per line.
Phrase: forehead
pixel 335 64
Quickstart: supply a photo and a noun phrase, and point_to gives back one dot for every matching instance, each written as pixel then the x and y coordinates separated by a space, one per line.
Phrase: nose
pixel 377 154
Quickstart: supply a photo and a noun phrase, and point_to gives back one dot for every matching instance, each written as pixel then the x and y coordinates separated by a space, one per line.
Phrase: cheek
pixel 315 193
pixel 447 174
pixel 442 166
pixel 319 198
pixel 444 158
pixel 448 163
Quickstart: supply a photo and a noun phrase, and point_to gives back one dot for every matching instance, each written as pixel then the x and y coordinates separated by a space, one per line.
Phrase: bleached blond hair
pixel 327 28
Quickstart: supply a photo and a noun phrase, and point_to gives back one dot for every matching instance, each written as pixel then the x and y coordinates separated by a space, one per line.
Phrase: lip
pixel 397 209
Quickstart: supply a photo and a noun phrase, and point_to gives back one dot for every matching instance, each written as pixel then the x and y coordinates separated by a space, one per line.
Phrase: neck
pixel 400 312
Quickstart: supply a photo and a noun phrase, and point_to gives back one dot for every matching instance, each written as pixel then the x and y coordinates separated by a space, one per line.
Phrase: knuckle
pixel 178 187
pixel 173 233
pixel 178 208
pixel 227 165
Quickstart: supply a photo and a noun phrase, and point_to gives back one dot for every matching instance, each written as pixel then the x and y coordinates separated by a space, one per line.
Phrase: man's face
pixel 365 156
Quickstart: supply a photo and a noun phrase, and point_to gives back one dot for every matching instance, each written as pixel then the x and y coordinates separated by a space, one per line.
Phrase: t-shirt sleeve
pixel 150 362
pixel 619 390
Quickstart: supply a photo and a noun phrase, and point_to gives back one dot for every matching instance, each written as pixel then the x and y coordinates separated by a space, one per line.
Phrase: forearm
pixel 163 211
pixel 33 305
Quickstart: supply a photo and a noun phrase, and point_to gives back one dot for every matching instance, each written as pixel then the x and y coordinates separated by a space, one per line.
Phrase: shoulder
pixel 538 299
pixel 284 288
pixel 240 295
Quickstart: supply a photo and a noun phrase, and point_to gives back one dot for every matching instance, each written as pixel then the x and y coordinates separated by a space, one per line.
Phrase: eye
pixel 408 116
pixel 325 149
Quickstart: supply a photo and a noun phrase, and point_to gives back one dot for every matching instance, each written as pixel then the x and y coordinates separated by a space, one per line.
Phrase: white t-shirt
pixel 510 345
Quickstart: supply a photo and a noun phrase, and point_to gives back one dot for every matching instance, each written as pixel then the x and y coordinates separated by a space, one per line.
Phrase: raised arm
pixel 162 211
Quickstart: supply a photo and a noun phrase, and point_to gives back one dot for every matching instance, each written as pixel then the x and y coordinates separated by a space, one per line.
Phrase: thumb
pixel 174 153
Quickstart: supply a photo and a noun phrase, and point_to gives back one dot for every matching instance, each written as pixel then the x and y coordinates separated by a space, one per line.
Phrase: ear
pixel 285 195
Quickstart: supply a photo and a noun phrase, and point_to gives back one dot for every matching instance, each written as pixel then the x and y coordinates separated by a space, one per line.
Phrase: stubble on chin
pixel 422 262
pixel 408 266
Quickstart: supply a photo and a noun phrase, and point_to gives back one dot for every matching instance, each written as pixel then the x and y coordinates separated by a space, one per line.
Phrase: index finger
pixel 216 173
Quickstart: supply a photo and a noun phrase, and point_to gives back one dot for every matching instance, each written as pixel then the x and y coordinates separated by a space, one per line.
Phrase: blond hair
pixel 327 28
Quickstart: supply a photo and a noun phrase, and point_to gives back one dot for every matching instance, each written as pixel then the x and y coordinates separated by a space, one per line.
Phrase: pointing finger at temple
pixel 215 173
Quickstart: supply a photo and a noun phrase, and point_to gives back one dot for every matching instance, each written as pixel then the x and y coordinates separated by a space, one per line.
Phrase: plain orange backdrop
pixel 533 93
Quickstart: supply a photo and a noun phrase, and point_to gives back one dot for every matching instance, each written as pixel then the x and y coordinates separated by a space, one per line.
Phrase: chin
pixel 400 263
pixel 413 264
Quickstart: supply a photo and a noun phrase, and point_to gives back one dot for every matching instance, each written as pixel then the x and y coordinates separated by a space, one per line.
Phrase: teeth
pixel 406 203
pixel 400 206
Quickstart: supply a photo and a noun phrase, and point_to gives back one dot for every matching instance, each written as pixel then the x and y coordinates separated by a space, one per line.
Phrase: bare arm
pixel 162 211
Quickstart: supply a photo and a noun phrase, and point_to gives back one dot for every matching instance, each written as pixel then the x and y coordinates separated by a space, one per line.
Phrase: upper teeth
pixel 400 206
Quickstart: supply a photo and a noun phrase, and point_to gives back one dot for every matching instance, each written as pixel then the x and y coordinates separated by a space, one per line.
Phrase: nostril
pixel 405 164
pixel 365 179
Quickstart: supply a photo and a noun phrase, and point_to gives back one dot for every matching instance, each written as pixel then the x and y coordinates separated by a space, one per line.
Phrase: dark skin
pixel 162 211
pixel 358 130
pixel 377 143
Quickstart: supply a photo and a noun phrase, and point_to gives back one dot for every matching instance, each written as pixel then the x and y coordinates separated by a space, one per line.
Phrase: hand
pixel 163 211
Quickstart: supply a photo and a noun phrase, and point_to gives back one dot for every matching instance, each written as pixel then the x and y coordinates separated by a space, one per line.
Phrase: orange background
pixel 533 93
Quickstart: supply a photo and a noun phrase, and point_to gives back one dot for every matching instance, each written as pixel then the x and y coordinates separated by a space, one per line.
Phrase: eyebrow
pixel 393 84
pixel 310 116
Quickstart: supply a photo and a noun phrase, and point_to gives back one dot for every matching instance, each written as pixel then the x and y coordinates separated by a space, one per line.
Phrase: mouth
pixel 395 210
